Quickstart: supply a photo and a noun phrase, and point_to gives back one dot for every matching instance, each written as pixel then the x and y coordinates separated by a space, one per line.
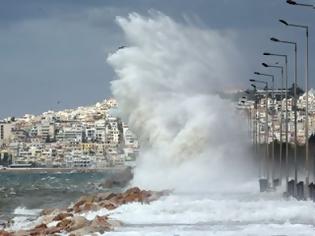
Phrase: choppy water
pixel 45 190
pixel 222 213
pixel 225 214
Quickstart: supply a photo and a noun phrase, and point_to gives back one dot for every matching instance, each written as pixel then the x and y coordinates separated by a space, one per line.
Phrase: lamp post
pixel 250 121
pixel 255 118
pixel 264 182
pixel 299 4
pixel 272 124
pixel 286 113
pixel 257 126
pixel 305 27
pixel 295 103
pixel 281 115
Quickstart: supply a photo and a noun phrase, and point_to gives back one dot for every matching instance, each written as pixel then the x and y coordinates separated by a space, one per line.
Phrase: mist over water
pixel 169 79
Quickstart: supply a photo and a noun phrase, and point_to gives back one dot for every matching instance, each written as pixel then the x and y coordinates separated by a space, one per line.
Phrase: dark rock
pixel 64 223
pixel 4 233
pixel 62 216
pixel 78 222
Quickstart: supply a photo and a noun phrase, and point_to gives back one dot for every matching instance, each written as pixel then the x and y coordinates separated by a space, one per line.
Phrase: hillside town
pixel 86 137
pixel 255 107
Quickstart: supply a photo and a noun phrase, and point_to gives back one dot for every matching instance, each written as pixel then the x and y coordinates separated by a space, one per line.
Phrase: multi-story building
pixel 70 134
pixel 5 132
pixel 82 137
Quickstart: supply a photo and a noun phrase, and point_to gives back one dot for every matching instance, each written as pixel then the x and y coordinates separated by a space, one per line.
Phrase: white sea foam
pixel 216 209
pixel 24 218
pixel 91 215
pixel 26 212
pixel 217 214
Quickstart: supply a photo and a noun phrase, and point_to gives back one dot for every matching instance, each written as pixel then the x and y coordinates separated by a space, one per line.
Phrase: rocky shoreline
pixel 71 221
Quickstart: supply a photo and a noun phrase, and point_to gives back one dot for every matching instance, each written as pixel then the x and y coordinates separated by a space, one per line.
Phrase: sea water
pixel 25 194
pixel 242 211
pixel 218 213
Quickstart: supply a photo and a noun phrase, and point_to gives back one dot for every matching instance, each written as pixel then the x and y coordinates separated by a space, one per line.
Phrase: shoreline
pixel 74 219
pixel 60 170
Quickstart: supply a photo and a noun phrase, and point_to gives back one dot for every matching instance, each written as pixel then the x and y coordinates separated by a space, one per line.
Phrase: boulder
pixel 90 207
pixel 100 224
pixel 109 205
pixel 132 190
pixel 84 199
pixel 53 230
pixel 38 230
pixel 85 204
pixel 55 221
pixel 78 222
pixel 47 219
pixel 4 233
pixel 83 231
pixel 118 199
pixel 104 196
pixel 41 226
pixel 65 223
pixel 21 233
pixel 62 216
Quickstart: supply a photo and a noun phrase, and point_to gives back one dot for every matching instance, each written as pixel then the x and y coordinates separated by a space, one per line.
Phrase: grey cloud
pixel 56 50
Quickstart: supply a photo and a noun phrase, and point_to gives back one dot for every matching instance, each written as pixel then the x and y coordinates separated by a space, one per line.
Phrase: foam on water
pixel 223 213
pixel 24 218
pixel 218 214
pixel 24 211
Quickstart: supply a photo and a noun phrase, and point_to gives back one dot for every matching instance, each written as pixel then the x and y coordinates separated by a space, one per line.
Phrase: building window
pixel 1 132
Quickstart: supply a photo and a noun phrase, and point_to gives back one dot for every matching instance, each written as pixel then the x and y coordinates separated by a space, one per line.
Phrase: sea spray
pixel 169 79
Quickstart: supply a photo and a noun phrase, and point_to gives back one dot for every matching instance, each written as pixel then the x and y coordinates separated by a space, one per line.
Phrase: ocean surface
pixel 242 211
pixel 224 213
pixel 26 193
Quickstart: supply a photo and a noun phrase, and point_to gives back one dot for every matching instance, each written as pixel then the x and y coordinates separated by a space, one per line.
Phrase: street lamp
pixel 257 129
pixel 305 27
pixel 264 182
pixel 281 115
pixel 254 119
pixel 299 4
pixel 258 135
pixel 272 123
pixel 286 112
pixel 295 103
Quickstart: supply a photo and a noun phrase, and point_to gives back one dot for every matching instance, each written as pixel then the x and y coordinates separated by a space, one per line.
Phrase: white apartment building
pixel 71 134
pixel 90 134
pixel 100 130
pixel 46 129
pixel 112 131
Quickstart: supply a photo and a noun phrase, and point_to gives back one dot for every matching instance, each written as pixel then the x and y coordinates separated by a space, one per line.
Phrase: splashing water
pixel 192 140
pixel 168 82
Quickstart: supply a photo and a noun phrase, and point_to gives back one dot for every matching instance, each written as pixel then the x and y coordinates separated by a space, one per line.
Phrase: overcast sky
pixel 55 50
